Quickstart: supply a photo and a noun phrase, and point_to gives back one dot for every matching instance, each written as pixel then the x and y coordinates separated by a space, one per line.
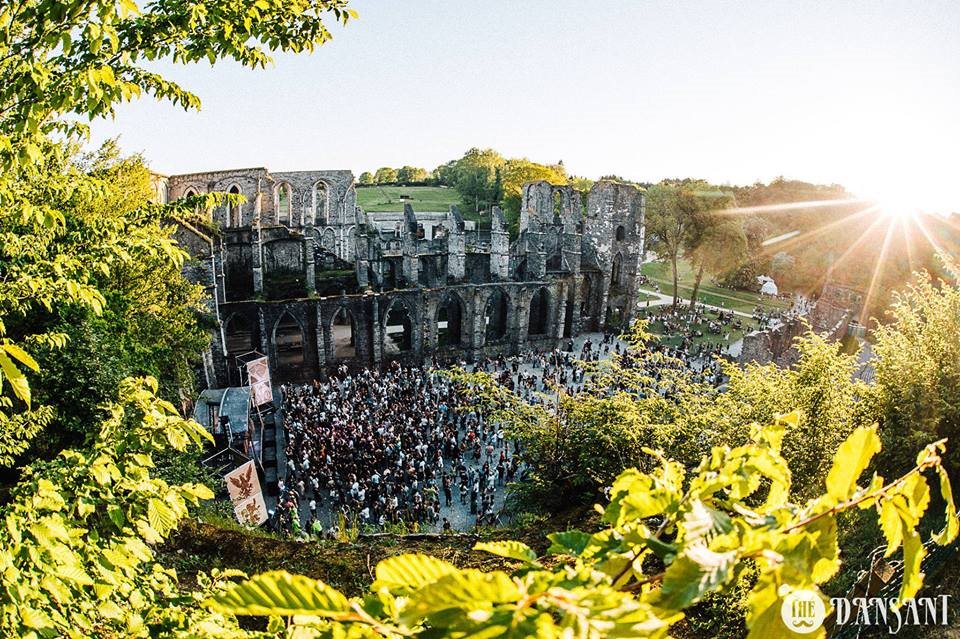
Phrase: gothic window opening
pixel 342 334
pixel 495 316
pixel 539 307
pixel 233 218
pixel 449 322
pixel 289 343
pixel 585 291
pixel 283 204
pixel 398 330
pixel 616 273
pixel 238 336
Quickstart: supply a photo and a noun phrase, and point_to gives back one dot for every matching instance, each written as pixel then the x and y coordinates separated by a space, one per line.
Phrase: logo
pixel 803 611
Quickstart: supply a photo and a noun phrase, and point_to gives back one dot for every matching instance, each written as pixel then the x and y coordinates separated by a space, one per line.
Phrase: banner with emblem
pixel 243 486
pixel 258 377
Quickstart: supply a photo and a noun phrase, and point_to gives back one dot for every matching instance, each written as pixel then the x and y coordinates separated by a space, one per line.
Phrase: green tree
pixel 63 60
pixel 385 175
pixel 674 210
pixel 476 176
pixel 515 173
pixel 366 179
pixel 715 244
pixel 918 367
pixel 407 175
pixel 150 323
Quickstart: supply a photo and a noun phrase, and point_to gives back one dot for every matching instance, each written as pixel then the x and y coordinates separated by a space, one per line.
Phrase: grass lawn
pixel 708 337
pixel 423 198
pixel 744 301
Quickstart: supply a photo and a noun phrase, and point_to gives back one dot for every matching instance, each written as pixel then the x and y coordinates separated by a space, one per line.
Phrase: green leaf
pixel 826 551
pixel 693 574
pixel 850 460
pixel 161 516
pixel 35 618
pixel 18 353
pixel 463 589
pixel 891 526
pixel 763 614
pixel 410 571
pixel 509 549
pixel 949 532
pixel 18 381
pixel 913 553
pixel 116 516
pixel 280 593
pixel 568 542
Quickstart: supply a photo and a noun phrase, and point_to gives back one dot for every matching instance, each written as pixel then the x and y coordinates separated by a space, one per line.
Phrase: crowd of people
pixel 406 446
pixel 384 448
pixel 692 325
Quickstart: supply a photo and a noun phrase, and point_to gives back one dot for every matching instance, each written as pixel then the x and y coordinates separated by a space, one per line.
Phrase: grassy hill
pixel 744 301
pixel 423 198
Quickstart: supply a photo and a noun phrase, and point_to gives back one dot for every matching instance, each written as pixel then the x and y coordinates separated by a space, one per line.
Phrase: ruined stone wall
pixel 299 266
pixel 777 345
pixel 613 242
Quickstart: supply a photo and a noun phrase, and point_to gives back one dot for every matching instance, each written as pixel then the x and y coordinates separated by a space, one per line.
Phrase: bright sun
pixel 902 191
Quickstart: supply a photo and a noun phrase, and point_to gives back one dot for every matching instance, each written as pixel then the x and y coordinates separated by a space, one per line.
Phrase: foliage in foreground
pixel 670 541
pixel 77 558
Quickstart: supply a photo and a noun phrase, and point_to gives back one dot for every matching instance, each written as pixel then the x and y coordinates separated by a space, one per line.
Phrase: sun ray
pixel 878 265
pixel 843 256
pixel 792 206
pixel 802 238
pixel 908 224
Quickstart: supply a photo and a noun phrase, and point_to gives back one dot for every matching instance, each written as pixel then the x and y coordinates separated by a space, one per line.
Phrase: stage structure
pixel 254 370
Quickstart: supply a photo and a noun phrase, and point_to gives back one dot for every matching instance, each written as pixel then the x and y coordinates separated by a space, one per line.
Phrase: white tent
pixel 767 285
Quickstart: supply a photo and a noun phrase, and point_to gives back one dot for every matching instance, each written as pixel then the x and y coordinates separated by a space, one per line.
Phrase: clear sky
pixel 866 94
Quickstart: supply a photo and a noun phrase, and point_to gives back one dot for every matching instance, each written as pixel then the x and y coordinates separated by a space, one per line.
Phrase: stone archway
pixel 496 315
pixel 538 321
pixel 343 334
pixel 397 329
pixel 449 322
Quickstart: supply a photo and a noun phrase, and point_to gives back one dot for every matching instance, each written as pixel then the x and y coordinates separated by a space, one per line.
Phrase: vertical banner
pixel 243 486
pixel 258 377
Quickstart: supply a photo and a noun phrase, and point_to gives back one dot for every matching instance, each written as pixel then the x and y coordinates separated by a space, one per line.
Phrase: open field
pixel 731 334
pixel 423 198
pixel 744 301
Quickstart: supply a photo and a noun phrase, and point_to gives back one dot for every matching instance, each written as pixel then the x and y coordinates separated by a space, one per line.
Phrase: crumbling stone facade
pixel 303 274
pixel 831 317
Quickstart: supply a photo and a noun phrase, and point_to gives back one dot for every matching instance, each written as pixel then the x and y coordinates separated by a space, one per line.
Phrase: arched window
pixel 495 316
pixel 233 218
pixel 342 334
pixel 284 196
pixel 238 336
pixel 621 233
pixel 398 330
pixel 321 201
pixel 585 291
pixel 449 321
pixel 288 340
pixel 190 192
pixel 616 273
pixel 557 204
pixel 539 307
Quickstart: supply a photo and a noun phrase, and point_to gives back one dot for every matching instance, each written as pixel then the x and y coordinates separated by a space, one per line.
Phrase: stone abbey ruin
pixel 302 274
